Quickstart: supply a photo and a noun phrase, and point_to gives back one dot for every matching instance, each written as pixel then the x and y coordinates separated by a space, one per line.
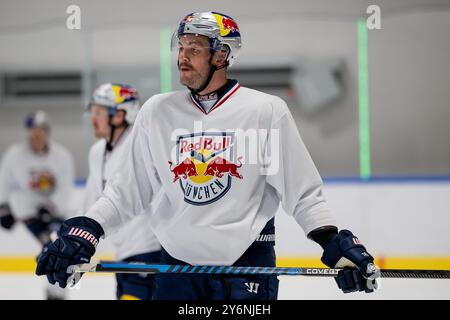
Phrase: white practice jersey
pixel 211 192
pixel 29 180
pixel 136 236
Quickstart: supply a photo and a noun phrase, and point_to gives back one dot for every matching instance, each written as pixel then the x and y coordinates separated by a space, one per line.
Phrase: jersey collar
pixel 223 94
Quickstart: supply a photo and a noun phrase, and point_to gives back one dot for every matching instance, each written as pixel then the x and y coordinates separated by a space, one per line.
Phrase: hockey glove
pixel 7 219
pixel 345 251
pixel 43 224
pixel 77 240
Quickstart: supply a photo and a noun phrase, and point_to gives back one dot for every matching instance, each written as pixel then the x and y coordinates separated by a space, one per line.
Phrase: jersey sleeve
pixel 129 190
pixel 6 178
pixel 93 189
pixel 293 175
pixel 65 189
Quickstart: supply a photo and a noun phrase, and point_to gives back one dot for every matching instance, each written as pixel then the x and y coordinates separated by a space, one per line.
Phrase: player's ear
pixel 220 57
pixel 119 117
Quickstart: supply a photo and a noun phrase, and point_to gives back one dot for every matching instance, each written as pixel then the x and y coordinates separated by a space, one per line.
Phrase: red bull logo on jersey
pixel 42 182
pixel 219 166
pixel 184 170
pixel 205 166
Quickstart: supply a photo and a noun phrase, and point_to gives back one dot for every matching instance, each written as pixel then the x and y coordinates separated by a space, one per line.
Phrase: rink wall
pixel 403 222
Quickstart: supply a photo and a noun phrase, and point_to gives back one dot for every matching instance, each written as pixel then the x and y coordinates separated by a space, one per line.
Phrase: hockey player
pixel 213 203
pixel 36 181
pixel 113 109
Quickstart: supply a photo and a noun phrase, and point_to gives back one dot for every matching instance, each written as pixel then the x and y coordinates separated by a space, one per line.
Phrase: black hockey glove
pixel 43 224
pixel 7 219
pixel 345 251
pixel 77 240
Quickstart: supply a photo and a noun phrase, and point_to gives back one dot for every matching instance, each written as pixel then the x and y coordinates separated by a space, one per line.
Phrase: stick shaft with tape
pixel 121 267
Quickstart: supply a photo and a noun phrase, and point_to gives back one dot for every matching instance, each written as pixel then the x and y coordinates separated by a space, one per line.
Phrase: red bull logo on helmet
pixel 188 18
pixel 206 166
pixel 124 93
pixel 227 25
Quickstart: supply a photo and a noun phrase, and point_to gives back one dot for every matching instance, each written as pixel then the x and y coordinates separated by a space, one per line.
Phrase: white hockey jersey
pixel 214 179
pixel 29 181
pixel 136 236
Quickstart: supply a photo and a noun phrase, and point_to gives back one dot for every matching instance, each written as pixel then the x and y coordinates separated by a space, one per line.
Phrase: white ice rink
pixel 102 287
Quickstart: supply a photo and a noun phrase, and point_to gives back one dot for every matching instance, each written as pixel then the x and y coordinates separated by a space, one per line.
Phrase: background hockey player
pixel 113 109
pixel 211 204
pixel 36 181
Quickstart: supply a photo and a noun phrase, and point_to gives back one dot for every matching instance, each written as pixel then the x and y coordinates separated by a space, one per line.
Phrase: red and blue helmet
pixel 117 96
pixel 221 30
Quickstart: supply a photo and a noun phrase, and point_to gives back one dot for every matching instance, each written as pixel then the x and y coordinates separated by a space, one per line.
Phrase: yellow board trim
pixel 128 297
pixel 19 264
pixel 27 264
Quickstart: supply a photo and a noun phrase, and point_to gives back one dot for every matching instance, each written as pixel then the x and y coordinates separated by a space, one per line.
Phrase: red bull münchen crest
pixel 206 166
pixel 42 182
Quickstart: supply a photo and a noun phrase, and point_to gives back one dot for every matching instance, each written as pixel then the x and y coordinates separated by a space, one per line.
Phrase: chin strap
pixel 109 146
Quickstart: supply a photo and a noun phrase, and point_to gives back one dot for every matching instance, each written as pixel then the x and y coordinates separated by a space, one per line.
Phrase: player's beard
pixel 192 78
pixel 101 131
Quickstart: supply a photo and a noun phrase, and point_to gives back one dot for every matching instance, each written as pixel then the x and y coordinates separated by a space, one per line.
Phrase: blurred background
pixel 372 106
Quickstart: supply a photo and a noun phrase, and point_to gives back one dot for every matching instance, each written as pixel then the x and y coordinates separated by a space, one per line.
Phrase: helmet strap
pixel 109 145
pixel 223 66
pixel 109 142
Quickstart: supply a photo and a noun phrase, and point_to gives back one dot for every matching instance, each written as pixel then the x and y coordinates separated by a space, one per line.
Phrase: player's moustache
pixel 184 65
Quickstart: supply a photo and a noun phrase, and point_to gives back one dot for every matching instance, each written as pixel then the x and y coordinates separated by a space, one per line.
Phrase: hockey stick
pixel 123 267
